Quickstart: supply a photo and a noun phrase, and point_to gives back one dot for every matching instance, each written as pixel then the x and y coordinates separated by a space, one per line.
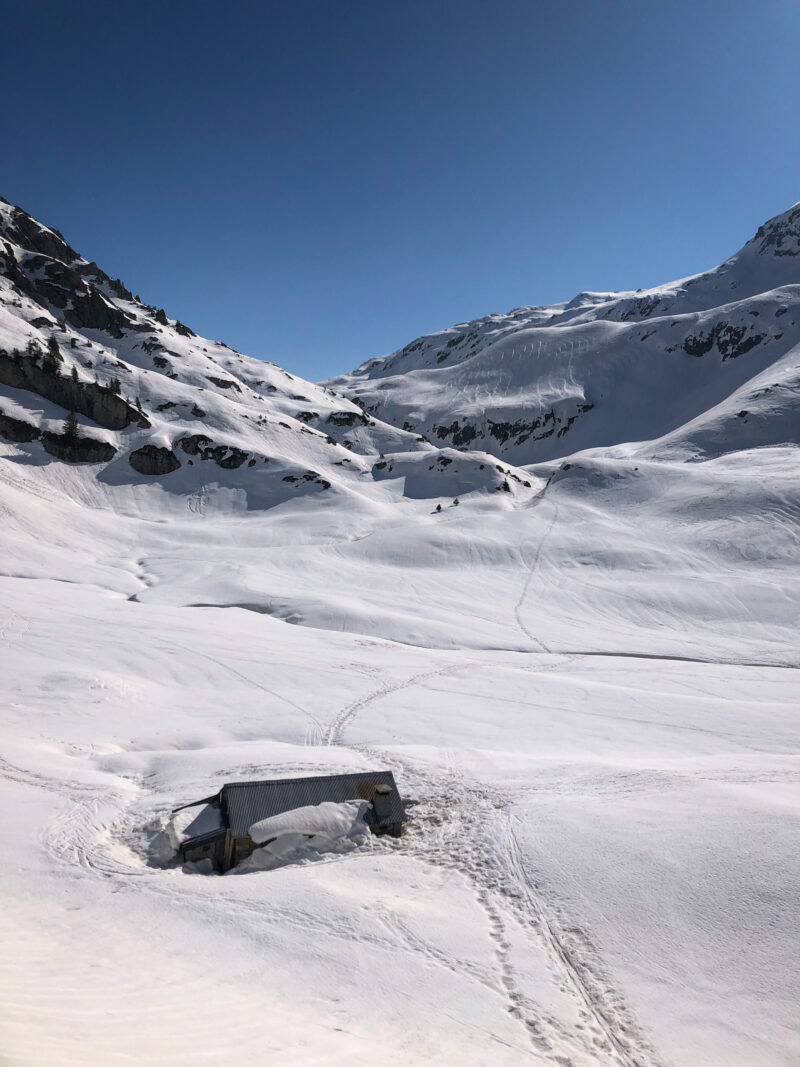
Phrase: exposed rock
pixel 781 236
pixel 27 232
pixel 95 401
pixel 73 449
pixel 731 341
pixel 223 455
pixel 347 418
pixel 18 430
pixel 225 383
pixel 150 459
pixel 461 436
pixel 83 305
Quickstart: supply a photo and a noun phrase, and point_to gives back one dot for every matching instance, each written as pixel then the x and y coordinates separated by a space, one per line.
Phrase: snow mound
pixel 165 835
pixel 328 818
pixel 306 834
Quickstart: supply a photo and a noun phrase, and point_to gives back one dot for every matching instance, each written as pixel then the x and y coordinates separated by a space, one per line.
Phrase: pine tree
pixel 71 427
pixel 75 374
pixel 52 357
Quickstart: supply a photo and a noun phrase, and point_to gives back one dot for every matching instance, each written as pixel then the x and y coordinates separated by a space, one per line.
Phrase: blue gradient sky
pixel 317 183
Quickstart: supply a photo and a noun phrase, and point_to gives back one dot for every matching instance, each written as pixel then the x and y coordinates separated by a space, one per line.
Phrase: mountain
pixel 707 363
pixel 153 399
pixel 572 639
pixel 691 369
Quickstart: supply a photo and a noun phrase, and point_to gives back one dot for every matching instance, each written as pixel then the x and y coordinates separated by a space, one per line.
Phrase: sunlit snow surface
pixel 576 648
pixel 592 697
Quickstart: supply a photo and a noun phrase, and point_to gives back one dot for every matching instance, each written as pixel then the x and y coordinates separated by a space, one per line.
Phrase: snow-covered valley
pixel 583 673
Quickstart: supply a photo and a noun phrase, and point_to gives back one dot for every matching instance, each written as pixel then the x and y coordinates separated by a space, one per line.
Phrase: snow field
pixel 599 868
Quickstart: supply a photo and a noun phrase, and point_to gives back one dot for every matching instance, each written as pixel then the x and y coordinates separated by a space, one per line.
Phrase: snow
pixel 327 819
pixel 603 369
pixel 588 687
pixel 307 834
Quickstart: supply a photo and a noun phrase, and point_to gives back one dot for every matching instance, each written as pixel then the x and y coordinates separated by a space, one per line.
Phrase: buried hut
pixel 221 830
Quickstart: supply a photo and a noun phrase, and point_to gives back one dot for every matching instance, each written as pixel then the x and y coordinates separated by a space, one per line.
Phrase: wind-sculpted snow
pixel 582 673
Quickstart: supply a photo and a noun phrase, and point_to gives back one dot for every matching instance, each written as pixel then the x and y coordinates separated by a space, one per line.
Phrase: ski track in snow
pixel 333 732
pixel 613 1032
pixel 251 681
pixel 475 839
pixel 532 571
pixel 465 827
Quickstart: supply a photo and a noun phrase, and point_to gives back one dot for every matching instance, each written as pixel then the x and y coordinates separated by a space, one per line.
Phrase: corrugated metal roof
pixel 249 802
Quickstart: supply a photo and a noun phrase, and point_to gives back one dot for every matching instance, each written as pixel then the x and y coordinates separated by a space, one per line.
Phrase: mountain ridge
pixel 89 374
pixel 542 382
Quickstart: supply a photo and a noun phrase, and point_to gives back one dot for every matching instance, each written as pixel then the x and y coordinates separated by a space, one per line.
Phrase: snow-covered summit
pixel 603 368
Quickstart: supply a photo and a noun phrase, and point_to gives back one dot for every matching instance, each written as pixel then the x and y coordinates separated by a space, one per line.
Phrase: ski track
pixel 459 825
pixel 466 827
pixel 332 733
pixel 250 681
pixel 462 827
pixel 467 849
pixel 533 570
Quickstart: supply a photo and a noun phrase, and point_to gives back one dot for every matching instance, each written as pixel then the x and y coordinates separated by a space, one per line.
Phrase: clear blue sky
pixel 319 182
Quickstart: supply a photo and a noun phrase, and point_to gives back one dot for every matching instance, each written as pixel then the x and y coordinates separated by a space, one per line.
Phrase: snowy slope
pixel 160 401
pixel 584 672
pixel 604 368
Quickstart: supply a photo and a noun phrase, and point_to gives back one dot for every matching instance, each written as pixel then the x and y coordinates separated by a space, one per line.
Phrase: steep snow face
pixel 538 383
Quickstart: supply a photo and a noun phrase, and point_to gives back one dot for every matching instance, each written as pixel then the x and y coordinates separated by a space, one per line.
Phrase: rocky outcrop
pixel 225 456
pixel 82 305
pixel 96 402
pixel 781 235
pixel 17 430
pixel 28 233
pixel 310 476
pixel 152 460
pixel 347 418
pixel 731 341
pixel 73 449
pixel 461 436
pixel 224 383
pixel 52 273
